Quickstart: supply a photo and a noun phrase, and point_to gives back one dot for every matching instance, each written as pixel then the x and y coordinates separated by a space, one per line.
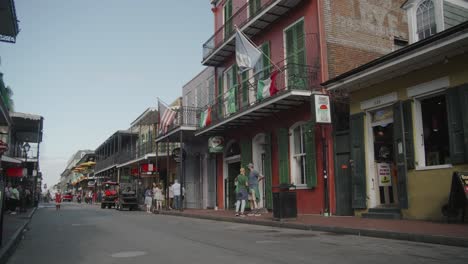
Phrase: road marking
pixel 128 254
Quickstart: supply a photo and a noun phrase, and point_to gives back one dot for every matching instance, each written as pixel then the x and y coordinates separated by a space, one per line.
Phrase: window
pixel 228 27
pixel 254 7
pixel 425 19
pixel 298 155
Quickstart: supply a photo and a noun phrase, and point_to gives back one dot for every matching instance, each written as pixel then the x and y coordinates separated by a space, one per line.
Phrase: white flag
pixel 247 54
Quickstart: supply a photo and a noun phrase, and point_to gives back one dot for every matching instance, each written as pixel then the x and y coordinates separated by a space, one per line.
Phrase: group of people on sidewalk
pixel 17 198
pixel 154 197
pixel 247 189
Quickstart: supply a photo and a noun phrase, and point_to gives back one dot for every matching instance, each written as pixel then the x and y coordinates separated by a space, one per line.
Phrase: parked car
pixel 67 197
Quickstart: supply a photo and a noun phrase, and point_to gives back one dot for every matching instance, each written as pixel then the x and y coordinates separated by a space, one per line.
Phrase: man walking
pixel 254 192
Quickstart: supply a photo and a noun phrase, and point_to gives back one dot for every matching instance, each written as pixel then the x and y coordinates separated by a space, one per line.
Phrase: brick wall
pixel 358 31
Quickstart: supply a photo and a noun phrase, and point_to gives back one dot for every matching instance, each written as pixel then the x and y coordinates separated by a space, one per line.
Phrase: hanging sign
pixel 384 173
pixel 322 109
pixel 216 144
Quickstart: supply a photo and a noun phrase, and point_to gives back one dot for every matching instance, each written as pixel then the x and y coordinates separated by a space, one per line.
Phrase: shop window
pixel 433 126
pixel 298 155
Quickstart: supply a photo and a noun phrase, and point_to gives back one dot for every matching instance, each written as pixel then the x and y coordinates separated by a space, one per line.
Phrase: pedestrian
pixel 158 196
pixel 58 200
pixel 242 184
pixel 28 197
pixel 177 194
pixel 254 192
pixel 22 199
pixel 171 196
pixel 148 199
pixel 15 196
pixel 8 198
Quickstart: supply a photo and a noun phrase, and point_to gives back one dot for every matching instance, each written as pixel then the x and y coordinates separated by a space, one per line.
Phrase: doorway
pixel 382 131
pixel 233 171
pixel 258 159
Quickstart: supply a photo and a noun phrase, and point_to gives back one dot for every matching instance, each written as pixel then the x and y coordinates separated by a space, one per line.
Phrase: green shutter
pixel 246 153
pixel 245 88
pixel 235 85
pixel 358 162
pixel 220 95
pixel 409 140
pixel 311 169
pixel 283 154
pixel 267 172
pixel 254 6
pixel 463 92
pixel 227 19
pixel 295 56
pixel 399 151
pixel 266 60
pixel 455 124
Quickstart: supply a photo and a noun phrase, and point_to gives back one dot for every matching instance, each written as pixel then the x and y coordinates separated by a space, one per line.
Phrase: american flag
pixel 167 117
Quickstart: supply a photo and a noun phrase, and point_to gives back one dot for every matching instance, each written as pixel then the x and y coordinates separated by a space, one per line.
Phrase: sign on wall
pixel 216 144
pixel 322 109
pixel 384 172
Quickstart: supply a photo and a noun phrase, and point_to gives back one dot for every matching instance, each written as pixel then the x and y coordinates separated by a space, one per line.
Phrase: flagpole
pixel 255 45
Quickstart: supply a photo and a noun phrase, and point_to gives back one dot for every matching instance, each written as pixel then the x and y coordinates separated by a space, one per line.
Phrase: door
pixel 233 171
pixel 295 56
pixel 343 174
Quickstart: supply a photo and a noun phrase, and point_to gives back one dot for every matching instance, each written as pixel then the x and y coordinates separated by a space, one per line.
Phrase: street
pixel 87 234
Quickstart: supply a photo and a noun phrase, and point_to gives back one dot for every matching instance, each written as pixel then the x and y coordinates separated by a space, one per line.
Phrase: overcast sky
pixel 92 67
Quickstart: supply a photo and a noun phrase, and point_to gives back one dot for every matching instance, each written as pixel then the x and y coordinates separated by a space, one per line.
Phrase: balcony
pixel 250 21
pixel 107 163
pixel 242 105
pixel 187 119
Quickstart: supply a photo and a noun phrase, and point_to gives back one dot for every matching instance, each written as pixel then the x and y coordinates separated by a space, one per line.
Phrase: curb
pixel 432 239
pixel 10 246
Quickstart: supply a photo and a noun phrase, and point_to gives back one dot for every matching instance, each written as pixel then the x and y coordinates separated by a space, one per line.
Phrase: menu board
pixel 463 177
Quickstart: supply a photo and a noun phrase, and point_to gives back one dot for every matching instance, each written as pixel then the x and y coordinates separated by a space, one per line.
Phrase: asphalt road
pixel 88 234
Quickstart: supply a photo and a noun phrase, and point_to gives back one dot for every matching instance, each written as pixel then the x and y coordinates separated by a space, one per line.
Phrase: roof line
pixel 400 52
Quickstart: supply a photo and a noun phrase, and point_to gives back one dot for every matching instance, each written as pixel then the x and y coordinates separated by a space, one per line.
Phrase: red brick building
pixel 303 43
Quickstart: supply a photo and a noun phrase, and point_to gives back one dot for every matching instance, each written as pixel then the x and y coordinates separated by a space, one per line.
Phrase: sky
pixel 92 67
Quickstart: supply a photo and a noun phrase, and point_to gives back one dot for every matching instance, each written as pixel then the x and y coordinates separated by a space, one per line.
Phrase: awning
pixel 10 160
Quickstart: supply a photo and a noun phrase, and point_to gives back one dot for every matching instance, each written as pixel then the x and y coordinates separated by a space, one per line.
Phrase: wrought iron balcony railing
pixel 186 116
pixel 250 92
pixel 106 162
pixel 254 16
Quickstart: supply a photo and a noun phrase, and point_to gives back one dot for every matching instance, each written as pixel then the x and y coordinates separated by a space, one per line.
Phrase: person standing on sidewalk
pixel 148 199
pixel 14 198
pixel 158 197
pixel 254 192
pixel 242 184
pixel 176 191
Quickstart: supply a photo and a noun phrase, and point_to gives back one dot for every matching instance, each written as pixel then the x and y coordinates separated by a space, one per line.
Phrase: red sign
pixel 14 172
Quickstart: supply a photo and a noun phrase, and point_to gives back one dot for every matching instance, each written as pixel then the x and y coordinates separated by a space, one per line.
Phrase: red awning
pixel 14 172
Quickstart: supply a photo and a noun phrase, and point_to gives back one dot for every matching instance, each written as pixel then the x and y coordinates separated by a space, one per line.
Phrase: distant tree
pixel 10 104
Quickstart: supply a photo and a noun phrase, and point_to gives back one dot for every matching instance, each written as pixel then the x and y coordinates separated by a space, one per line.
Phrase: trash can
pixel 284 201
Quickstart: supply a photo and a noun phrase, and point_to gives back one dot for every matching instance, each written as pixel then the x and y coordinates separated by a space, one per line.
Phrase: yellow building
pixel 408 126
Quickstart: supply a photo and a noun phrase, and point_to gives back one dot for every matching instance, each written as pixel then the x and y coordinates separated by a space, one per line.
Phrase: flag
pixel 205 118
pixel 267 88
pixel 247 54
pixel 167 117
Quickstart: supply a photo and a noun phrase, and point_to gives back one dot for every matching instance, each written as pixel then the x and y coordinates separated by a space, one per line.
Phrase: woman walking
pixel 158 197
pixel 58 200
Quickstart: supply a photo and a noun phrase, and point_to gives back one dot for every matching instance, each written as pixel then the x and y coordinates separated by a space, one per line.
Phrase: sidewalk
pixel 13 227
pixel 410 230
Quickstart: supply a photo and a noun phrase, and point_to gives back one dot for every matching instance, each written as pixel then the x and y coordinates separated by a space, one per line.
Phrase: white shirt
pixel 176 189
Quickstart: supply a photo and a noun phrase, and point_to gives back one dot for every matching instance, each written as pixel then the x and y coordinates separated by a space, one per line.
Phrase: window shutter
pixel 311 169
pixel 358 158
pixel 409 140
pixel 463 92
pixel 399 150
pixel 283 154
pixel 246 153
pixel 455 124
pixel 220 95
pixel 245 88
pixel 267 172
pixel 266 60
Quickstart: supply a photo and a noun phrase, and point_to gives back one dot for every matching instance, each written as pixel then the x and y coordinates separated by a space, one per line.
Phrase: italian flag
pixel 205 118
pixel 267 88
